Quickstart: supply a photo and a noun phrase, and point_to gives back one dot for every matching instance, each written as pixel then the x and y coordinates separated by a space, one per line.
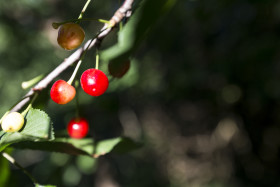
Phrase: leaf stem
pixel 13 161
pixel 84 9
pixel 97 59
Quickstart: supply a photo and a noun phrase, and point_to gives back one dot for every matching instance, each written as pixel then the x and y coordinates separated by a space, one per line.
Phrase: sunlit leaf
pixel 37 128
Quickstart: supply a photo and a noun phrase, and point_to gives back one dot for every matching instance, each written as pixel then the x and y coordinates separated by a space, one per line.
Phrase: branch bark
pixel 123 11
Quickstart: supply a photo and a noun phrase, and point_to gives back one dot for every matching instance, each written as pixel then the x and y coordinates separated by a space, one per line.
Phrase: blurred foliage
pixel 202 93
pixel 134 32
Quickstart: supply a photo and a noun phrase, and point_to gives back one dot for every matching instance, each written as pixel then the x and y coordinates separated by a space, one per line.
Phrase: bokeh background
pixel 202 95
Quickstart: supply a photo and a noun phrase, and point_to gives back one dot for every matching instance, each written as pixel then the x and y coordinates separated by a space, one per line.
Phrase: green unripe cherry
pixel 13 122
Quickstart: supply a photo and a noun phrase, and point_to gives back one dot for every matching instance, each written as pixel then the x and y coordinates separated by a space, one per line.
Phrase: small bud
pixel 55 25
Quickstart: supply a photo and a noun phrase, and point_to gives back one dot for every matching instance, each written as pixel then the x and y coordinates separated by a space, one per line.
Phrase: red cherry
pixel 78 128
pixel 70 36
pixel 118 69
pixel 94 82
pixel 62 92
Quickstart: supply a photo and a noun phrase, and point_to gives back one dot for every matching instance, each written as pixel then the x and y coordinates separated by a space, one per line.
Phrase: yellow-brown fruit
pixel 70 36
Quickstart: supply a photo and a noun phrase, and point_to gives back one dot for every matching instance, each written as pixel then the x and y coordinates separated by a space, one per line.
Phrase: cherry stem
pixel 30 105
pixel 56 25
pixel 75 72
pixel 28 84
pixel 13 161
pixel 97 59
pixel 78 64
pixel 77 100
pixel 84 9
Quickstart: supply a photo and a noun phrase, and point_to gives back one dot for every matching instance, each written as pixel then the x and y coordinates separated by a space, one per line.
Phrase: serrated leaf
pixel 84 146
pixel 37 128
pixel 106 146
pixel 38 124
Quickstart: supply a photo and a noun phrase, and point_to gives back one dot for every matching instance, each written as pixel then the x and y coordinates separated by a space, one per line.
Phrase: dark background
pixel 202 94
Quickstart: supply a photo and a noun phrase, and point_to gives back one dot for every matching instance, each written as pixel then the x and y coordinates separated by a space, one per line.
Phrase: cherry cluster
pixel 93 81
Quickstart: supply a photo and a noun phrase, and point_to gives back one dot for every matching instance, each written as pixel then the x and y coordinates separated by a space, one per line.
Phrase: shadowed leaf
pixel 84 146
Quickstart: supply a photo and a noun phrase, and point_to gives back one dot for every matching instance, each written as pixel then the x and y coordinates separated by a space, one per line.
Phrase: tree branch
pixel 13 161
pixel 123 11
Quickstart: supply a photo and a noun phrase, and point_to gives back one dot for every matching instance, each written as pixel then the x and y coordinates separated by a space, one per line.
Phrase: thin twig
pixel 122 12
pixel 13 161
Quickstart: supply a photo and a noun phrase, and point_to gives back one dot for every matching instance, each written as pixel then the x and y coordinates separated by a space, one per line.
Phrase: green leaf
pixel 106 146
pixel 126 145
pixel 38 124
pixel 37 128
pixel 84 146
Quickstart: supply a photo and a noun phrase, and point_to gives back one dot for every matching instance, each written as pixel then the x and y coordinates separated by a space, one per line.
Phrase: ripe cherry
pixel 13 122
pixel 78 128
pixel 94 82
pixel 62 92
pixel 70 36
pixel 119 69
